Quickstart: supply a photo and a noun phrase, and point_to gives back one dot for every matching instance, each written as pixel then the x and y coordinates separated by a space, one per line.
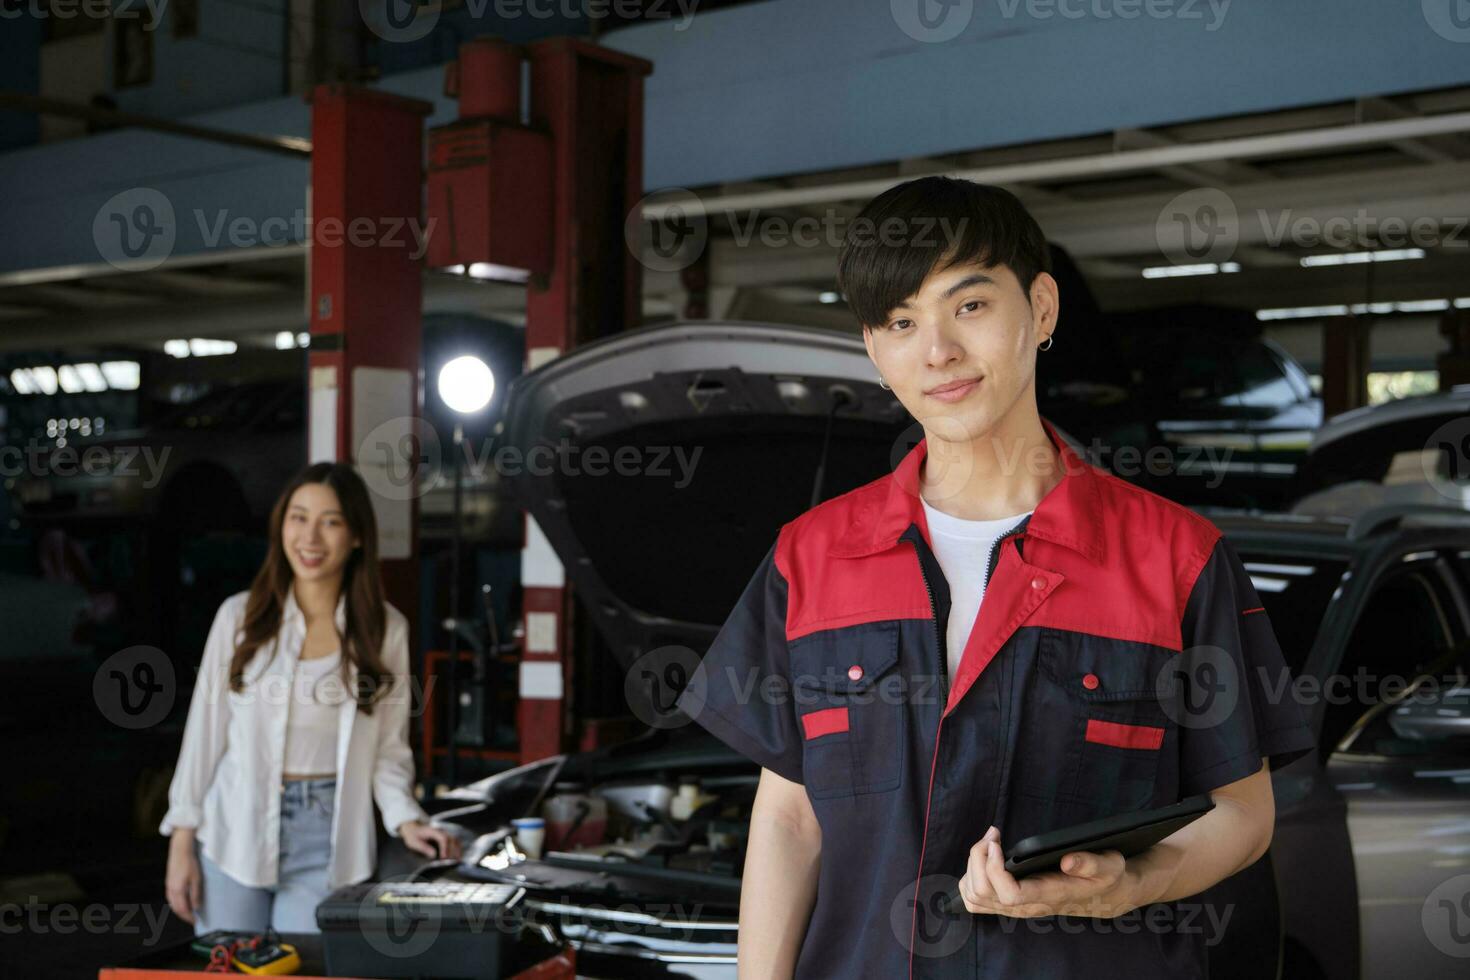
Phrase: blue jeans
pixel 306 847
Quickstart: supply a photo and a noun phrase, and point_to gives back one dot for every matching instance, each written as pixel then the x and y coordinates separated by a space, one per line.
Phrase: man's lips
pixel 952 386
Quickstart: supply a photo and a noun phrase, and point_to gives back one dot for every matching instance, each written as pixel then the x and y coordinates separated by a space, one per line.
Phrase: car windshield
pixel 1295 591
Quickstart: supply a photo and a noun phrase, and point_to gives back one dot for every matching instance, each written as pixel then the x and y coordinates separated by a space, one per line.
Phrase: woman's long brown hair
pixel 361 584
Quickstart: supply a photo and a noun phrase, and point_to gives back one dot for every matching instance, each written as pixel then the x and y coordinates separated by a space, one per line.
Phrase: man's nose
pixel 943 344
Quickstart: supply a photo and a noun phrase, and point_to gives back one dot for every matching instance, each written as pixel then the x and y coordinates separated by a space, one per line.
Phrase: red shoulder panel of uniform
pixel 827 592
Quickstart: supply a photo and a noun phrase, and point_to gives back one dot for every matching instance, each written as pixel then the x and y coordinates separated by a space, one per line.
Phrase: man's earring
pixel 883 384
pixel 1047 345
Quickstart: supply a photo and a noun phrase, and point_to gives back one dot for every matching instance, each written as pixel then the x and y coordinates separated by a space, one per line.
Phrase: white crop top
pixel 317 692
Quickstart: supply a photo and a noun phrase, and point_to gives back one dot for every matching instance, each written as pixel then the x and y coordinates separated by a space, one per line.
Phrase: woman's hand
pixel 430 841
pixel 183 881
pixel 1096 885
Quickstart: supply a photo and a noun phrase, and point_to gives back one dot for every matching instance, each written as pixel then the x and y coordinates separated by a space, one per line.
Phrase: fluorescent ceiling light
pixel 1354 258
pixel 122 375
pixel 1198 269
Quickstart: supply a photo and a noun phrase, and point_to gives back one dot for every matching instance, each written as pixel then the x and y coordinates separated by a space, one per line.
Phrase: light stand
pixel 466 385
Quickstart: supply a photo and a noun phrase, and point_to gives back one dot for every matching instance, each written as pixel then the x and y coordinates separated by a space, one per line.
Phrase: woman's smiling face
pixel 315 535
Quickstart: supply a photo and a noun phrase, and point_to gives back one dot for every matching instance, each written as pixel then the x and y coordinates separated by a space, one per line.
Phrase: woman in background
pixel 298 722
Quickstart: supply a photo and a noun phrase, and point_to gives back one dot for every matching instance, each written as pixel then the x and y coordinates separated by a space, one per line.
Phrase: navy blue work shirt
pixel 1121 660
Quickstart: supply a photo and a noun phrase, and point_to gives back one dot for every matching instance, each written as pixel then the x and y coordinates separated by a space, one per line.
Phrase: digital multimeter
pixel 268 959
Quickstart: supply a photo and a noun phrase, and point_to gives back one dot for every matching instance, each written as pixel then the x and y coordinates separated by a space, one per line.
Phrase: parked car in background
pixel 658 555
pixel 217 462
pixel 1235 411
pixel 1414 449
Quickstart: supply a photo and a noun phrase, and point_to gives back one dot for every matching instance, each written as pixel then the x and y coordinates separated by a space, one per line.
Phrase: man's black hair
pixel 933 223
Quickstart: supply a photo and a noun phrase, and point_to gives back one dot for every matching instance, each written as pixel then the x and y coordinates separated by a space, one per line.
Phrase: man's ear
pixel 1046 303
pixel 868 343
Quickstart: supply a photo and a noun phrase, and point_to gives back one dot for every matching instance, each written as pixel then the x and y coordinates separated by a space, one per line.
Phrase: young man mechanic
pixel 908 732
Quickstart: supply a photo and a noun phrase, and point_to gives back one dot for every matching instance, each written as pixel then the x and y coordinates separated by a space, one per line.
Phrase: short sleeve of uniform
pixel 741 691
pixel 1238 697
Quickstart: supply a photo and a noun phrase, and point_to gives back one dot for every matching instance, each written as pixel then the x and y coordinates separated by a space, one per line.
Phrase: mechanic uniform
pixel 1120 660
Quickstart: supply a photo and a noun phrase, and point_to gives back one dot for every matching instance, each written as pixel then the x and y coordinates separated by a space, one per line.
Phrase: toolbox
pixel 444 929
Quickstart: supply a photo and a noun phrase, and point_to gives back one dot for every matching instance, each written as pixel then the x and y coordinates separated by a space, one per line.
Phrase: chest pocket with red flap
pixel 851 707
pixel 1095 726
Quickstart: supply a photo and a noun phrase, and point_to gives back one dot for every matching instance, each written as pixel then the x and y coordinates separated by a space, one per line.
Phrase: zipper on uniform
pixel 995 549
pixel 939 628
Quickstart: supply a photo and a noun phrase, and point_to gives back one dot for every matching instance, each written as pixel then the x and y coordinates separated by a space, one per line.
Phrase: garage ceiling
pixel 1102 196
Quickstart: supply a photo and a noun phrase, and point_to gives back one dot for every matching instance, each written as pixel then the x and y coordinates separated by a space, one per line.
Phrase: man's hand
pixel 1096 885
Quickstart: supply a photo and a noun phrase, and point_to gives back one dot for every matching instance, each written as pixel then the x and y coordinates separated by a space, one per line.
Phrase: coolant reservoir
pixel 573 818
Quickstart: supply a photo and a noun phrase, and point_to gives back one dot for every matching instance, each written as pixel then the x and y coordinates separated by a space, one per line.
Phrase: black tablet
pixel 1127 833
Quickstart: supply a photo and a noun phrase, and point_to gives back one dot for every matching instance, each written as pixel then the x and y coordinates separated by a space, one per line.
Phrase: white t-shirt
pixel 963 551
pixel 311 720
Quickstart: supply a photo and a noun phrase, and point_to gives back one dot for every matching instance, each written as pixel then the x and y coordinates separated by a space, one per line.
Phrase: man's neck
pixel 1006 471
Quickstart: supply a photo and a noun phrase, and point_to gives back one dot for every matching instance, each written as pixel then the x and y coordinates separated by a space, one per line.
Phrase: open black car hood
pixel 720 427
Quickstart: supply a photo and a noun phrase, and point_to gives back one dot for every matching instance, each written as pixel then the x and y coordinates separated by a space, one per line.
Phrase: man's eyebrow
pixel 976 279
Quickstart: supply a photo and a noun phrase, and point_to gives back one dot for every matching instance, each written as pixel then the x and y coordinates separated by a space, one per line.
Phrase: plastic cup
pixel 530 833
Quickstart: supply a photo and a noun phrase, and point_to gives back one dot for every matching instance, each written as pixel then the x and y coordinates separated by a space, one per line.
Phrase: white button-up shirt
pixel 227 782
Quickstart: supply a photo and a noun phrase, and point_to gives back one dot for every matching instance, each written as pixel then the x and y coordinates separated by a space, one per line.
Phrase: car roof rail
pixel 1376 519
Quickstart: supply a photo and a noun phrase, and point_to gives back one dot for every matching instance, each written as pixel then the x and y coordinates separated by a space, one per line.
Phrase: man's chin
pixel 957 427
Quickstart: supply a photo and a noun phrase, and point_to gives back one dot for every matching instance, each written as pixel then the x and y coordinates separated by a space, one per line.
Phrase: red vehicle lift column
pixel 591 101
pixel 365 292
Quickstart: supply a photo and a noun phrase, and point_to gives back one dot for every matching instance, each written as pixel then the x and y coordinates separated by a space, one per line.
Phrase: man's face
pixel 961 352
